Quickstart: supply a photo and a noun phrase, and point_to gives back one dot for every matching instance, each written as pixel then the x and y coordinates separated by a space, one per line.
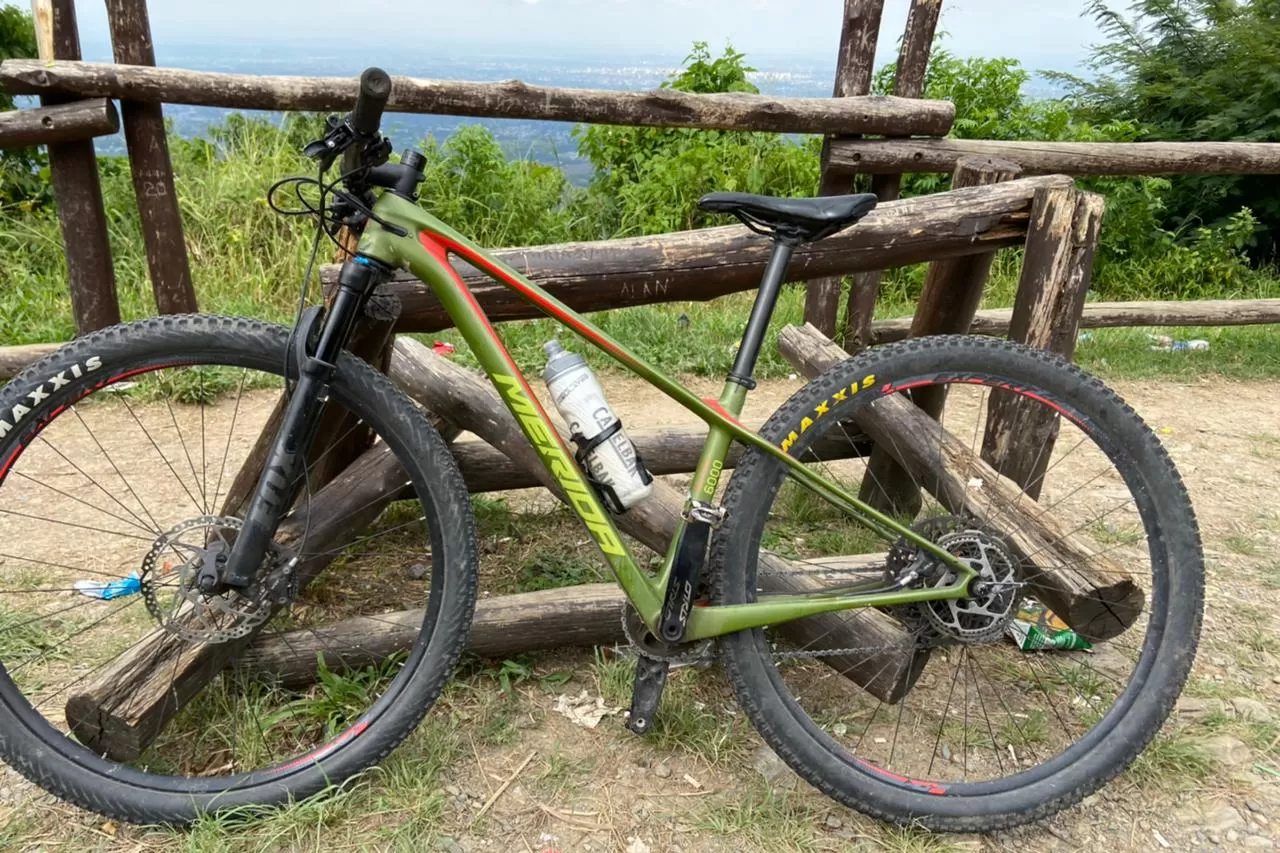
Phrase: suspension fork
pixel 283 472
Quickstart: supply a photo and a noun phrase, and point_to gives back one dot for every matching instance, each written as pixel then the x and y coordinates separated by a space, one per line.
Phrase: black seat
pixel 802 219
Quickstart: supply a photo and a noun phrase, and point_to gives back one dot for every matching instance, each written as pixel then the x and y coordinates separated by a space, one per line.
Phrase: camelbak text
pixel 561 468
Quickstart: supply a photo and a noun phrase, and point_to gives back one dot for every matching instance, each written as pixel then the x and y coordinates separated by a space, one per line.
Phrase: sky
pixel 1044 33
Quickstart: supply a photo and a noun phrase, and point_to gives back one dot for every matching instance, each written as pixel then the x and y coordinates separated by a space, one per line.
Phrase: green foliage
pixel 21 178
pixel 648 180
pixel 1194 70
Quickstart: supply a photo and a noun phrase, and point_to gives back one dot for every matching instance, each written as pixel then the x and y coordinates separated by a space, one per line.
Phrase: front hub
pixel 180 583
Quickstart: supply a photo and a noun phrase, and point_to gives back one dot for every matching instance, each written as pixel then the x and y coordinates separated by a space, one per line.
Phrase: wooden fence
pixel 991 206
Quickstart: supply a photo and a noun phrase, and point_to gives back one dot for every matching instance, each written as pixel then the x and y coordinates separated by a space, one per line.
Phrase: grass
pixel 759 816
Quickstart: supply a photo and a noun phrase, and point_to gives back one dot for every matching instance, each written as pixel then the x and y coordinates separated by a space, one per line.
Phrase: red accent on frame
pixel 539 300
pixel 439 248
pixel 721 410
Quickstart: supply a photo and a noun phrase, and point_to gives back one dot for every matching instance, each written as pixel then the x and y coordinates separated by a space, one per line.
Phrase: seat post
pixel 762 311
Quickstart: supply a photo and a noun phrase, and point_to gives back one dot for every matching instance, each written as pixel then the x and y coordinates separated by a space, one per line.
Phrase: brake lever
pixel 339 136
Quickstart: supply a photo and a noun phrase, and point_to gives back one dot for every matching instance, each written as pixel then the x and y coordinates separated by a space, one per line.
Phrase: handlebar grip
pixel 375 88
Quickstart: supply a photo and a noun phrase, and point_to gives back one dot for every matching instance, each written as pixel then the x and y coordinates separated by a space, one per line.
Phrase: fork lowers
pixel 283 473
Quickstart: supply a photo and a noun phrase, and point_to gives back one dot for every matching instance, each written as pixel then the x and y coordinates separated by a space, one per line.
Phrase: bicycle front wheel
pixel 985 712
pixel 126 690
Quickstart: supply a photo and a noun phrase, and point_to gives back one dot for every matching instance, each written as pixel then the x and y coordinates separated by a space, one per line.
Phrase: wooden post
pixel 854 68
pixel 149 162
pixel 77 190
pixel 913 61
pixel 951 295
pixel 1060 565
pixel 62 123
pixel 1061 240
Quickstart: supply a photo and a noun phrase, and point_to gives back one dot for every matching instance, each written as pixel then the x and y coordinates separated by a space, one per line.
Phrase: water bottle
pixel 604 450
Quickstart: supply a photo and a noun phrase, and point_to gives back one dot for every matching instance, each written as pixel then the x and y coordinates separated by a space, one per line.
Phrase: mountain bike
pixel 119 458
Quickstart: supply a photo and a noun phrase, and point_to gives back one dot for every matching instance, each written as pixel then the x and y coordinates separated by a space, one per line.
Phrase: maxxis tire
pixel 29 744
pixel 1179 597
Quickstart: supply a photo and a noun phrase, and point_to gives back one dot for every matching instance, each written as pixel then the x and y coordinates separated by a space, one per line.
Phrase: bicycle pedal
pixel 651 678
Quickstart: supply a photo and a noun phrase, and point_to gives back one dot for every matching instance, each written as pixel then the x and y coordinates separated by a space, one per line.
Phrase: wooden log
pixel 1117 315
pixel 507 99
pixel 62 123
pixel 1061 158
pixel 665 451
pixel 702 265
pixel 1073 576
pixel 126 705
pixel 855 65
pixel 583 616
pixel 442 386
pixel 951 295
pixel 908 82
pixel 1019 437
pixel 144 136
pixel 77 191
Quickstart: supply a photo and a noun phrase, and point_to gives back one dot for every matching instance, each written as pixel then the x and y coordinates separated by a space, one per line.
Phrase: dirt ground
pixel 551 785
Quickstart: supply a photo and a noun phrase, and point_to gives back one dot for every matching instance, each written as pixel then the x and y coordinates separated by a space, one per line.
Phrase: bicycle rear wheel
pixel 970 728
pixel 128 692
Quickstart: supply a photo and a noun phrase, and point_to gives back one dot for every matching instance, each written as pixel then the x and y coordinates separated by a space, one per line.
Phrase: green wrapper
pixel 1036 627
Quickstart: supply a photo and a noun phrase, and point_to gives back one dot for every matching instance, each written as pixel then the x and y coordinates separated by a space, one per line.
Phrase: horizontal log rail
pixel 1060 158
pixel 1114 315
pixel 507 99
pixel 708 263
pixel 61 123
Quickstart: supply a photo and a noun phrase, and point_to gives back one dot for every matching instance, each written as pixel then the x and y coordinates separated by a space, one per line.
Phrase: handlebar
pixel 375 88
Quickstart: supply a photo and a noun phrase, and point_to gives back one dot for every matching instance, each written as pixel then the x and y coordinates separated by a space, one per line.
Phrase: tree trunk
pixel 1092 593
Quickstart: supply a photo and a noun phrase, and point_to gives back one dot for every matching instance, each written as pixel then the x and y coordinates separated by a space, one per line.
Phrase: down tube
pixel 431 264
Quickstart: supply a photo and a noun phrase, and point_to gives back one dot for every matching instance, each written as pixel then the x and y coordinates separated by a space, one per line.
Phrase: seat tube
pixel 761 313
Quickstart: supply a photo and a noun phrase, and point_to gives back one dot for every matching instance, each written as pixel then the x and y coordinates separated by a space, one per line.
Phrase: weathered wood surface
pixel 506 99
pixel 951 294
pixel 1072 575
pixel 1061 158
pixel 441 386
pixel 1117 315
pixel 1020 434
pixel 855 66
pixel 577 616
pixel 705 264
pixel 77 190
pixel 665 451
pixel 148 146
pixel 61 123
pixel 913 62
pixel 126 705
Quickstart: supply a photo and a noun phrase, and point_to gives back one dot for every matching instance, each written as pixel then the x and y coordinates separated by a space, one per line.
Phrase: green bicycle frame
pixel 425 251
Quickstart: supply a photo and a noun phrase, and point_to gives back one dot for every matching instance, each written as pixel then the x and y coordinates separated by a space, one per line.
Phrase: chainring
pixel 643 641
pixel 168 575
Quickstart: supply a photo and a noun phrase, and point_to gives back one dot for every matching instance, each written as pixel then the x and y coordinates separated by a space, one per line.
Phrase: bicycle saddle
pixel 801 219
